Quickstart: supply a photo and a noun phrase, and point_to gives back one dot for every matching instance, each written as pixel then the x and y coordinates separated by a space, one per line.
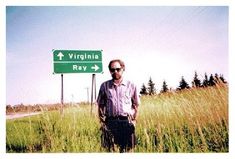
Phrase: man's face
pixel 116 71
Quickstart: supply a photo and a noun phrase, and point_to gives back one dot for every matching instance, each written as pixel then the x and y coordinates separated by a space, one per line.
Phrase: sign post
pixel 62 95
pixel 77 61
pixel 93 90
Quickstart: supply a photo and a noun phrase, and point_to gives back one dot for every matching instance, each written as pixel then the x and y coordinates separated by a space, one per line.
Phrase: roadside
pixel 21 115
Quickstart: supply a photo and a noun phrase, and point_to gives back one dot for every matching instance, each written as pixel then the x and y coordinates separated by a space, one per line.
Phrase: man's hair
pixel 122 64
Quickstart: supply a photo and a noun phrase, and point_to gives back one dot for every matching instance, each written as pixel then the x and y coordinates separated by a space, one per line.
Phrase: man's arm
pixel 135 103
pixel 135 108
pixel 101 110
pixel 101 104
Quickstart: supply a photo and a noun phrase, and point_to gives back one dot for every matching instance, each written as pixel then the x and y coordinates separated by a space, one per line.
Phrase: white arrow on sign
pixel 60 55
pixel 95 67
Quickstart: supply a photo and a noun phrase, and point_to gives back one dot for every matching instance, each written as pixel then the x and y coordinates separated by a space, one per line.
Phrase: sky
pixel 164 43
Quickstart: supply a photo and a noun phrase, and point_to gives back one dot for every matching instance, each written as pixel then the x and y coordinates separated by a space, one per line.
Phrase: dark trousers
pixel 120 132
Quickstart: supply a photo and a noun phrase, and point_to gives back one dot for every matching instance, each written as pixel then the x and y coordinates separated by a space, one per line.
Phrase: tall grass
pixel 74 131
pixel 194 120
pixel 190 121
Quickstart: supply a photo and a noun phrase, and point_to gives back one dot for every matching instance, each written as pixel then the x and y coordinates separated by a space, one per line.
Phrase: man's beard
pixel 116 76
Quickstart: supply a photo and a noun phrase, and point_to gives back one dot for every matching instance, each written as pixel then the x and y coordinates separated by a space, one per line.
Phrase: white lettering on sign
pixel 79 68
pixel 83 56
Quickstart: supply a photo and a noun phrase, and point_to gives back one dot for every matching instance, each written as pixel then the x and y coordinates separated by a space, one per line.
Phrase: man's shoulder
pixel 106 83
pixel 129 83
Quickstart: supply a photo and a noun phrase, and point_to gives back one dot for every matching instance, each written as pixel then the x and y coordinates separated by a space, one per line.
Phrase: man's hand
pixel 133 122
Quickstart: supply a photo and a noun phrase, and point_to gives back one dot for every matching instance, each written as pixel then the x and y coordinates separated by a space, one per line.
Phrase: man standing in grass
pixel 118 102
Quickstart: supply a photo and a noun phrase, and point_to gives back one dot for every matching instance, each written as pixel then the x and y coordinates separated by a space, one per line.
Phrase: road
pixel 21 115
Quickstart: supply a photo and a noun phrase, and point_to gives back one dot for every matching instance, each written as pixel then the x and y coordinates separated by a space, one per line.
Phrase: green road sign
pixel 77 61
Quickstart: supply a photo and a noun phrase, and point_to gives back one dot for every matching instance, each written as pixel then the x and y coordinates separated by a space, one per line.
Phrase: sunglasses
pixel 115 69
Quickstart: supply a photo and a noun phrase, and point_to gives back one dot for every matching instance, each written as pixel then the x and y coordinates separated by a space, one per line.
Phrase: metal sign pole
pixel 62 95
pixel 93 87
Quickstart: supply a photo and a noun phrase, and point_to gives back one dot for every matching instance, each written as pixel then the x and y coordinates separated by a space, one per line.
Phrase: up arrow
pixel 60 55
pixel 95 67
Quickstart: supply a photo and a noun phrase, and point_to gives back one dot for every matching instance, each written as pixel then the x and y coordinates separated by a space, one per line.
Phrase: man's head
pixel 116 68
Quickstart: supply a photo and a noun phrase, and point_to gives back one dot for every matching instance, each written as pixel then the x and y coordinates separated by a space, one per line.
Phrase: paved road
pixel 14 116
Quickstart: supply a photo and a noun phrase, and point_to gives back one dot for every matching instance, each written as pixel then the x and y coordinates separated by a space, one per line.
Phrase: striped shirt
pixel 118 99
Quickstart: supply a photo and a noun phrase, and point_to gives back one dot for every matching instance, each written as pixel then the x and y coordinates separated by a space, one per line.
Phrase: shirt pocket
pixel 127 97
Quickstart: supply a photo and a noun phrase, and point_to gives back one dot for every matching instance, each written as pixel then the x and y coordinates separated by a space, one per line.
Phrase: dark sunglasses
pixel 113 69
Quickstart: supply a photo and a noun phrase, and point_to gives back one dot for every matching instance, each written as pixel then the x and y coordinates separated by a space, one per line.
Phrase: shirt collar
pixel 124 82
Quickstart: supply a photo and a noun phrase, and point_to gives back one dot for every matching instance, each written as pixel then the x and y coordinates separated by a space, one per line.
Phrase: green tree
pixel 196 81
pixel 143 90
pixel 205 82
pixel 221 77
pixel 164 87
pixel 151 87
pixel 183 84
pixel 211 80
pixel 217 80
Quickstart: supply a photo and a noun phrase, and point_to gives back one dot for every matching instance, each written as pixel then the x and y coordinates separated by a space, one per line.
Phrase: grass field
pixel 194 120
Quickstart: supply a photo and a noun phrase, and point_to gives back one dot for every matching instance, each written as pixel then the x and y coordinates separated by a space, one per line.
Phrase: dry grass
pixel 194 120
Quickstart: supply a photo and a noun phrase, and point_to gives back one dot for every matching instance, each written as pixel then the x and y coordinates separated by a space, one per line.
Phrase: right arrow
pixel 95 67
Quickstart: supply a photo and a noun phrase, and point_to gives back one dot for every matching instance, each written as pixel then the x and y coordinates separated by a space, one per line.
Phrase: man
pixel 118 102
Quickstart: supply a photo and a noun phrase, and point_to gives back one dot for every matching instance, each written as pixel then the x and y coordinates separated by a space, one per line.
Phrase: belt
pixel 117 118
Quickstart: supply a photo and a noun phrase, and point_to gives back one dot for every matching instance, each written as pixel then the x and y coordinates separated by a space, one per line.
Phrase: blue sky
pixel 162 42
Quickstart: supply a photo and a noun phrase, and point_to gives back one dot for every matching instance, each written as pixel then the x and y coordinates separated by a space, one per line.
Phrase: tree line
pixel 213 80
